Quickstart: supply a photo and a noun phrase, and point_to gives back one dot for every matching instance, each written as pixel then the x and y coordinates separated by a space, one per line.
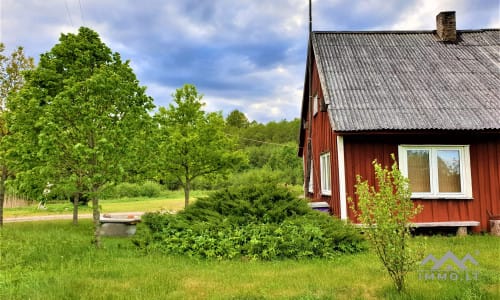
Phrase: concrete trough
pixel 118 225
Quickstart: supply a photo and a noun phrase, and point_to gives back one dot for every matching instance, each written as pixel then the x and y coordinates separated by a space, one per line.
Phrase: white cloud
pixel 422 14
pixel 247 55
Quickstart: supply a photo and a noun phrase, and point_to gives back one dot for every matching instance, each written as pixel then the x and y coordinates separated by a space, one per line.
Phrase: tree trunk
pixel 76 200
pixel 97 225
pixel 187 188
pixel 2 192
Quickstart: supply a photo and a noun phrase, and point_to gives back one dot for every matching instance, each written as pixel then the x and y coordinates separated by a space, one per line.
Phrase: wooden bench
pixel 461 225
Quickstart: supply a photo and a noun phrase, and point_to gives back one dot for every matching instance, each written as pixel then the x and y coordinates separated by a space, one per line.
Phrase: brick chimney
pixel 446 26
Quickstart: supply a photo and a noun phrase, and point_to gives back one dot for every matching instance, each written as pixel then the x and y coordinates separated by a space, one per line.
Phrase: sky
pixel 248 55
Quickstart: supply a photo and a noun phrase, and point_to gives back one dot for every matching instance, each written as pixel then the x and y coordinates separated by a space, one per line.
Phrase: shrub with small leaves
pixel 387 209
pixel 261 222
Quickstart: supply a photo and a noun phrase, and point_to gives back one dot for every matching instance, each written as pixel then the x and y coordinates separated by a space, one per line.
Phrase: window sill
pixel 326 193
pixel 441 198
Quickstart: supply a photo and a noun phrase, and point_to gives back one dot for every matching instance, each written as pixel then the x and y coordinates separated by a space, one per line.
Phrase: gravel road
pixel 63 217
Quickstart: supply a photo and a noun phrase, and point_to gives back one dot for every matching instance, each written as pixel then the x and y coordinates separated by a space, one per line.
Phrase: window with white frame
pixel 311 182
pixel 315 104
pixel 325 169
pixel 437 171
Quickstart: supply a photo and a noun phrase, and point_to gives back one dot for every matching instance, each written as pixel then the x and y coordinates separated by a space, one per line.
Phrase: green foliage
pixel 387 209
pixel 83 106
pixel 53 260
pixel 270 148
pixel 147 189
pixel 261 222
pixel 193 143
pixel 257 134
pixel 11 80
pixel 11 72
pixel 79 117
pixel 237 120
pixel 258 176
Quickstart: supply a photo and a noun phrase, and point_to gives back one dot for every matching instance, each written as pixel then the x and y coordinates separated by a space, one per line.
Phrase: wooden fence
pixel 14 200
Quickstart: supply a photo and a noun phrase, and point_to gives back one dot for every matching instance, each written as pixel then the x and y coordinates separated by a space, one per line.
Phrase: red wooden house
pixel 430 97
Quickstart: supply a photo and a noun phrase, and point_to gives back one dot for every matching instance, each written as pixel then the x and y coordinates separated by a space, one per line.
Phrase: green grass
pixel 55 260
pixel 172 200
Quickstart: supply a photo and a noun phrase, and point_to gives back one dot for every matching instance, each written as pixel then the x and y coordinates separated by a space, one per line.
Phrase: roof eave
pixel 430 131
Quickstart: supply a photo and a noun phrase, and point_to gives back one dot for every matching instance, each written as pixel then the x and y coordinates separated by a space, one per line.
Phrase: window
pixel 326 188
pixel 315 105
pixel 311 183
pixel 437 171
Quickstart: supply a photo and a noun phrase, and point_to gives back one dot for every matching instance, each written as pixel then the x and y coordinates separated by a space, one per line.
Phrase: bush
pixel 256 176
pixel 130 190
pixel 255 222
pixel 150 189
pixel 387 209
pixel 266 174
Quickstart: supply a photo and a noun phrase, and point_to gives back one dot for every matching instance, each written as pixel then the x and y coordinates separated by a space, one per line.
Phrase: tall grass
pixel 55 260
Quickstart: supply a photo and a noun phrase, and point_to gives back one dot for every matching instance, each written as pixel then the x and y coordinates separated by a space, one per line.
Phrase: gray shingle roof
pixel 409 80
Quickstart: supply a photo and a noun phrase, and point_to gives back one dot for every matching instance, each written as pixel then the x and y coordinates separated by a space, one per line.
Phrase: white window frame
pixel 326 174
pixel 465 170
pixel 315 105
pixel 310 188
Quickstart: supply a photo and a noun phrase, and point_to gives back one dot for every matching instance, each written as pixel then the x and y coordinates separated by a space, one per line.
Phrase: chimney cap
pixel 447 12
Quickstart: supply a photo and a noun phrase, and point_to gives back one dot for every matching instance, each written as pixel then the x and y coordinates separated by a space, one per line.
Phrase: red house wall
pixel 323 140
pixel 360 151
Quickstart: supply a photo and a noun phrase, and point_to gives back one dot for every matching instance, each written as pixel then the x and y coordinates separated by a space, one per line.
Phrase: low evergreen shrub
pixel 261 222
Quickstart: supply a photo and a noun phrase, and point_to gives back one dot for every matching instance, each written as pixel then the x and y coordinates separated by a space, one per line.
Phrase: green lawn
pixel 172 200
pixel 54 260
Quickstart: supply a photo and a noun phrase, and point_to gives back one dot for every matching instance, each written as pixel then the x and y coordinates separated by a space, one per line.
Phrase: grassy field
pixel 171 200
pixel 54 260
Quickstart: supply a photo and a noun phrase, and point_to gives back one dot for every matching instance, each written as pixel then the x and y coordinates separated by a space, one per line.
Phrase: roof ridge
pixel 398 31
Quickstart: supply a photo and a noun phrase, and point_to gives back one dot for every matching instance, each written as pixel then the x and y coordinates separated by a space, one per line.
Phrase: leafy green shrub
pixel 256 176
pixel 387 209
pixel 255 222
pixel 131 190
pixel 150 189
pixel 127 189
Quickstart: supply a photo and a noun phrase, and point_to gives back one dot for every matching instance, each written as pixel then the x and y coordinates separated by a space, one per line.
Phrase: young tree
pixel 237 119
pixel 192 143
pixel 11 80
pixel 387 209
pixel 84 107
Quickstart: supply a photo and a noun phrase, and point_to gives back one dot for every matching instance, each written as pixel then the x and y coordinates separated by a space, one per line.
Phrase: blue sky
pixel 248 55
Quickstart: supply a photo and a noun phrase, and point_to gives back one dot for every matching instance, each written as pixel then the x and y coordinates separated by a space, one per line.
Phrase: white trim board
pixel 341 169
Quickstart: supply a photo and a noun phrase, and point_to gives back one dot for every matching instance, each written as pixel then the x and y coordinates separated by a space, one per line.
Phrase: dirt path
pixel 62 217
